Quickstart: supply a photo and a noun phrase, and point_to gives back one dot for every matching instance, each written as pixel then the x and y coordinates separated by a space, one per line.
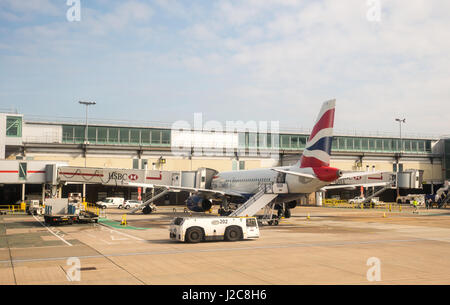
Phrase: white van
pixel 110 202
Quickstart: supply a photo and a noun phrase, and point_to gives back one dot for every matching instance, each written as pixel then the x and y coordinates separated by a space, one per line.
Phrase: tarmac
pixel 333 246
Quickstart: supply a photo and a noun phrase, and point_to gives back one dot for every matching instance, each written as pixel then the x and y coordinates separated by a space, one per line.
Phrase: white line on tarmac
pixel 65 241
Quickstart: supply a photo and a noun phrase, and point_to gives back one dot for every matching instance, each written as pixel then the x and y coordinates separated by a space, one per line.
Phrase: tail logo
pixel 318 149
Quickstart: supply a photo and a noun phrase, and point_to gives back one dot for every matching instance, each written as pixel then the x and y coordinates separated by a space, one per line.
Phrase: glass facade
pixel 162 137
pixel 74 134
pixel 346 144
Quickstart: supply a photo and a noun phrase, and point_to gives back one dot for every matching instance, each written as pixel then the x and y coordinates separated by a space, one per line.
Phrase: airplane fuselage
pixel 247 182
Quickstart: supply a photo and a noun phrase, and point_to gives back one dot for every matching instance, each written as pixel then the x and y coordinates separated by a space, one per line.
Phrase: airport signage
pixel 123 176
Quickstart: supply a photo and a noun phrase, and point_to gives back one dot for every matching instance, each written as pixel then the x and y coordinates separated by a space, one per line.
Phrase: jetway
pixel 408 179
pixel 121 177
pixel 27 179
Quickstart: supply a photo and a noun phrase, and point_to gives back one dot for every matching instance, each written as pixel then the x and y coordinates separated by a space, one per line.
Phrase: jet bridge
pixel 117 177
pixel 122 176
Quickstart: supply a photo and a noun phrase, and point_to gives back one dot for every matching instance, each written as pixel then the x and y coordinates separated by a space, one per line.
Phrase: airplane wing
pixel 339 186
pixel 294 173
pixel 344 175
pixel 184 188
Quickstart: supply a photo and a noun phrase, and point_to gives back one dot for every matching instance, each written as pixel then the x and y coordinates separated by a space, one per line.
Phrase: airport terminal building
pixel 125 145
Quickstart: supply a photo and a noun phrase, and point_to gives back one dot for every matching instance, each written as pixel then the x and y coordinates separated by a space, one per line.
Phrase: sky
pixel 260 60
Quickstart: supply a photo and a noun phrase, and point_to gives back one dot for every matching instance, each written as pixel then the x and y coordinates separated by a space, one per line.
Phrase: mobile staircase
pixel 263 198
pixel 145 206
pixel 368 199
pixel 443 195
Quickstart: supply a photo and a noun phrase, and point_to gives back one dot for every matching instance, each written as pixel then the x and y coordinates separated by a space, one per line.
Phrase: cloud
pixel 249 60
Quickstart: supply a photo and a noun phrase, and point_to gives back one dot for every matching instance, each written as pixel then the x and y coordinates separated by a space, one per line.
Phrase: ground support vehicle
pixel 197 229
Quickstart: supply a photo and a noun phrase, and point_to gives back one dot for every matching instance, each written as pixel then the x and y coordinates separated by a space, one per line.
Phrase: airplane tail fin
pixel 318 148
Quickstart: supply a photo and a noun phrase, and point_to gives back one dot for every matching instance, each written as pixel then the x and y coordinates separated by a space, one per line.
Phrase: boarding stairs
pixel 261 199
pixel 444 202
pixel 388 185
pixel 443 195
pixel 159 192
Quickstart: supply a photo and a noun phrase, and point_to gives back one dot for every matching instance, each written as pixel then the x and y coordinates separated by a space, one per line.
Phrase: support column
pixel 43 193
pixel 23 192
pixel 319 198
pixel 54 193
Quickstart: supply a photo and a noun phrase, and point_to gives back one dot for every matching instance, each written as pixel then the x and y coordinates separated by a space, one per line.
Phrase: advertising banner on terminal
pixel 113 176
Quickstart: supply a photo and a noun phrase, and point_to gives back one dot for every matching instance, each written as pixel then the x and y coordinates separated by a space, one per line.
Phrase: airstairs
pixel 158 194
pixel 261 199
pixel 443 195
pixel 384 188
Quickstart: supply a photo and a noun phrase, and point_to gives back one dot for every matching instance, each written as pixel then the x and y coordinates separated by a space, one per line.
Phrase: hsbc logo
pixel 122 176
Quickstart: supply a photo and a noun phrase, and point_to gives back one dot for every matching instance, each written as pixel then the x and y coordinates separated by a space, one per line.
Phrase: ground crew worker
pixel 415 203
pixel 429 203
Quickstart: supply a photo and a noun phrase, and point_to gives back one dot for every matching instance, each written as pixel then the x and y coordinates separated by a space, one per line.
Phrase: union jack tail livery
pixel 318 148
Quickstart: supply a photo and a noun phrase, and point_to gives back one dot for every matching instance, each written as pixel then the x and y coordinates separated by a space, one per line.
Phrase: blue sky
pixel 163 60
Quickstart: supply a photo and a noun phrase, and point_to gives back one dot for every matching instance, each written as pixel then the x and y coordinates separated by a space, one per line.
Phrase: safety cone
pixel 124 220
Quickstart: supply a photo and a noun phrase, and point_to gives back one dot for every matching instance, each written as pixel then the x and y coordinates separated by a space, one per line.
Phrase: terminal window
pixel 14 126
pixel 23 171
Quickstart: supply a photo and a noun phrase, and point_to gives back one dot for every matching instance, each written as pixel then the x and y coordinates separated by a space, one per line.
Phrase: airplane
pixel 310 174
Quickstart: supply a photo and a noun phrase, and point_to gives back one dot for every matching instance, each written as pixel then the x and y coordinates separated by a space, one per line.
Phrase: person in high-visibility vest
pixel 415 203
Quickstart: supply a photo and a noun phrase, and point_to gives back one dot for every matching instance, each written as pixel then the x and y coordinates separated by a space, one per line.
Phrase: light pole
pixel 87 104
pixel 400 121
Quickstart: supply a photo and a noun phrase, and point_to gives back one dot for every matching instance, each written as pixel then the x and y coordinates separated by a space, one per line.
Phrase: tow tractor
pixel 34 208
pixel 197 229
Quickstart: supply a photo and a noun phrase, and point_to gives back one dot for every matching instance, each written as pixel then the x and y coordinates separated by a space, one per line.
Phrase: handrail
pixel 262 189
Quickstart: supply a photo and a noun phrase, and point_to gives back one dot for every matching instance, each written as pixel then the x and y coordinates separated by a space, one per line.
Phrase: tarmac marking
pixel 107 228
pixel 324 244
pixel 51 231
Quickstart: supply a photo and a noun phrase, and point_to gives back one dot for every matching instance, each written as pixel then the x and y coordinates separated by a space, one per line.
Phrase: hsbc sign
pixel 122 176
pixel 133 177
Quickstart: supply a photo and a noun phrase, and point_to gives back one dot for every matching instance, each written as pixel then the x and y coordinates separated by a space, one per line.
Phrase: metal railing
pixel 93 208
pixel 387 206
pixel 13 209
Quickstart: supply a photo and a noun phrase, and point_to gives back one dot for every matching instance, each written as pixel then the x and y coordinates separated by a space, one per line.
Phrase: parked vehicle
pixel 34 207
pixel 62 211
pixel 408 199
pixel 110 202
pixel 367 203
pixel 129 204
pixel 356 200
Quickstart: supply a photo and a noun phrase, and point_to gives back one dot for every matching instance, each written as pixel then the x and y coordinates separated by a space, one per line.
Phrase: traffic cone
pixel 124 220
